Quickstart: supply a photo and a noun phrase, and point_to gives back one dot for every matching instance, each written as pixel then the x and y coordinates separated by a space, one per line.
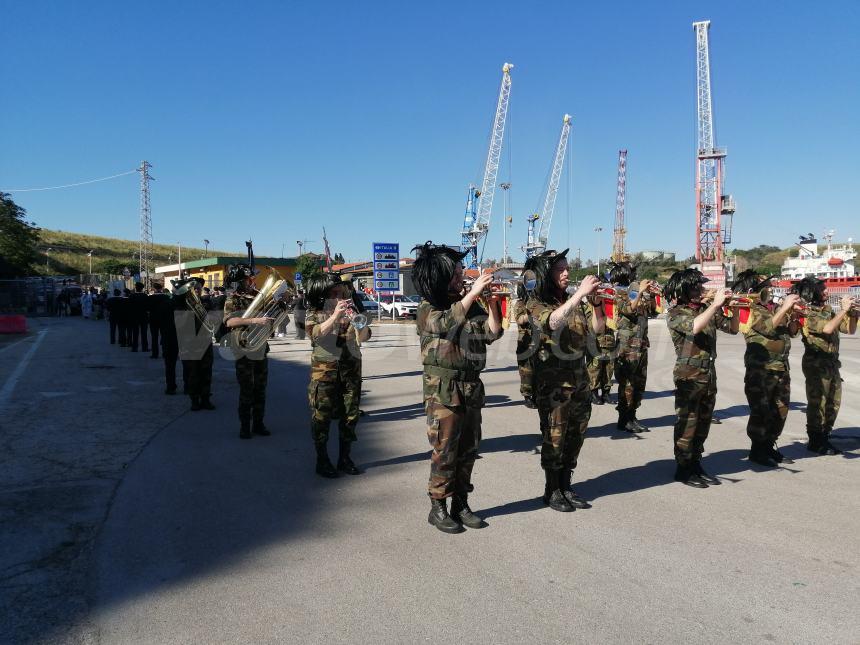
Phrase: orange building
pixel 213 270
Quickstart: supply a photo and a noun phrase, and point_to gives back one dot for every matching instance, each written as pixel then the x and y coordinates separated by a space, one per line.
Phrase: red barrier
pixel 11 324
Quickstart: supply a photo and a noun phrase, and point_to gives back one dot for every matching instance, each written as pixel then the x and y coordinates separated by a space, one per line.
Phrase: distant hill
pixel 68 254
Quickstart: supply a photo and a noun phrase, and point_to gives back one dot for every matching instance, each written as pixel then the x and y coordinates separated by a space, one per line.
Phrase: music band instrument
pixel 270 302
pixel 187 289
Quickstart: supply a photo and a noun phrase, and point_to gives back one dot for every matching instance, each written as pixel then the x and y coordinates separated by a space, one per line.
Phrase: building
pixel 213 270
pixel 835 261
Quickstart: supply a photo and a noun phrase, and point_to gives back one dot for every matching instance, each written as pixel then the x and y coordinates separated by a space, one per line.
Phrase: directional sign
pixel 386 266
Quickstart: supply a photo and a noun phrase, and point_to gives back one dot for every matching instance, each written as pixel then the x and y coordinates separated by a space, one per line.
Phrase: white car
pixel 403 307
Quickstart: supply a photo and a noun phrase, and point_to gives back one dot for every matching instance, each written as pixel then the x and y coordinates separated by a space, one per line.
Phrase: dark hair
pixel 237 273
pixel 318 288
pixel 681 284
pixel 116 292
pixel 157 286
pixel 810 289
pixel 138 286
pixel 433 271
pixel 545 288
pixel 622 273
pixel 749 281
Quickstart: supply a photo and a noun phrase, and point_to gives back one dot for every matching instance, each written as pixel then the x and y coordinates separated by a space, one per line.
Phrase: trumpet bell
pixel 359 321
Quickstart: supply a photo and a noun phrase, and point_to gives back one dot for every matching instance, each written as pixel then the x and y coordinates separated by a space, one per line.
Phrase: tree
pixel 308 265
pixel 18 239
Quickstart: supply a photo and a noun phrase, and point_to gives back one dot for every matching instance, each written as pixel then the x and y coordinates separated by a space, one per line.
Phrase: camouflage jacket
pixel 453 352
pixel 235 305
pixel 561 352
pixel 340 345
pixel 695 353
pixel 767 346
pixel 815 341
pixel 632 327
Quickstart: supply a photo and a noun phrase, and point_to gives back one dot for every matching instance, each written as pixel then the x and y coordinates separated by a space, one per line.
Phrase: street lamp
pixel 598 230
pixel 90 256
pixel 47 259
pixel 206 242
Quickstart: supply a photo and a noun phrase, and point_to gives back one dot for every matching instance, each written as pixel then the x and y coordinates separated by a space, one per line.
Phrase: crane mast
pixel 618 252
pixel 479 203
pixel 712 234
pixel 537 241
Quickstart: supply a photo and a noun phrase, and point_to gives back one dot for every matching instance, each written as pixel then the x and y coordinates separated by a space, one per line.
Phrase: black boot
pixel 595 398
pixel 206 404
pixel 440 519
pixel 760 454
pixel 529 402
pixel 260 428
pixel 195 403
pixel 570 495
pixel 460 512
pixel 324 466
pixel 552 494
pixel 778 456
pixel 344 463
pixel 604 395
pixel 710 480
pixel 639 426
pixel 820 443
pixel 685 475
pixel 245 429
pixel 627 424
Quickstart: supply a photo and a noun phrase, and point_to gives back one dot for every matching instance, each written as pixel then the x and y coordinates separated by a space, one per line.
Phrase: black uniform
pixel 154 304
pixel 139 320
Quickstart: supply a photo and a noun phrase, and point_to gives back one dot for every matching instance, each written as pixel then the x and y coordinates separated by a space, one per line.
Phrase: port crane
pixel 537 239
pixel 620 232
pixel 712 232
pixel 479 202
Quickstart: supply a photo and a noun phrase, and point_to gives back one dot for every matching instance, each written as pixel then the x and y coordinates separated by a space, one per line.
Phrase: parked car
pixel 416 299
pixel 403 307
pixel 370 305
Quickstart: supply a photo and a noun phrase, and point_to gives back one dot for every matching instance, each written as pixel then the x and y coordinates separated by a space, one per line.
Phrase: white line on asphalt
pixel 15 344
pixel 9 386
pixel 51 395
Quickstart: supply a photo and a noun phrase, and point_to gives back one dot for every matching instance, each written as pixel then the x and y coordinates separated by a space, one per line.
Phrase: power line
pixel 80 183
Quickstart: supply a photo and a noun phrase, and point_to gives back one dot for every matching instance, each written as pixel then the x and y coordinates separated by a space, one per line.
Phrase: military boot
pixel 344 463
pixel 760 453
pixel 573 499
pixel 259 428
pixel 820 443
pixel 595 398
pixel 245 429
pixel 710 480
pixel 324 465
pixel 639 426
pixel 461 512
pixel 604 395
pixel 778 456
pixel 685 475
pixel 205 403
pixel 552 494
pixel 195 404
pixel 440 519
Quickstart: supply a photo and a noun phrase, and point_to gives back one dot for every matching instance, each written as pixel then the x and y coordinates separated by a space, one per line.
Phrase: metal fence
pixel 39 296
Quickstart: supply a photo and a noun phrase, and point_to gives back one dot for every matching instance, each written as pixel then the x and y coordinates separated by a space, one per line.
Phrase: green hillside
pixel 68 254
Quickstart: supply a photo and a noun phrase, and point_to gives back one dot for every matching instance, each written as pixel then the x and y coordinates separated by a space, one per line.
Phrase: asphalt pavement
pixel 202 537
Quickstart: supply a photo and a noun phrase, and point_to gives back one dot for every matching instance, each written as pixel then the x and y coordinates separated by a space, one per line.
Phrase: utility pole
pixel 145 223
pixel 505 186
pixel 48 259
pixel 179 260
pixel 90 256
pixel 598 230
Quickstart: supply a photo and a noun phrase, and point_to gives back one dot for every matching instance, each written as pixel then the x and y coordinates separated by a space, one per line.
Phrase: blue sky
pixel 269 120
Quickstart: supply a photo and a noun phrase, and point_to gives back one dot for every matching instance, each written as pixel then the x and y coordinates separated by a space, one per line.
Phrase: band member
pixel 334 391
pixel 693 324
pixel 526 341
pixel 113 305
pixel 154 303
pixel 600 351
pixel 195 350
pixel 139 319
pixel 454 332
pixel 164 313
pixel 300 311
pixel 252 366
pixel 561 381
pixel 633 310
pixel 767 330
pixel 821 329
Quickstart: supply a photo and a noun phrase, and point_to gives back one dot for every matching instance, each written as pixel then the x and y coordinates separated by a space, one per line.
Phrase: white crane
pixel 479 204
pixel 537 240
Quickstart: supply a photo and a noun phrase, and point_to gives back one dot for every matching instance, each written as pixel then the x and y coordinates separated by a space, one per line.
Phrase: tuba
pixel 270 302
pixel 192 300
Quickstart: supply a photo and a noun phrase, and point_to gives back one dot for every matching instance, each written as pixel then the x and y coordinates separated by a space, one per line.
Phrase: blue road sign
pixel 386 266
pixel 298 277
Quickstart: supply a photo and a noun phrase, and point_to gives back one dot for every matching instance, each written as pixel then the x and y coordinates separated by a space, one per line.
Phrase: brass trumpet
pixel 356 318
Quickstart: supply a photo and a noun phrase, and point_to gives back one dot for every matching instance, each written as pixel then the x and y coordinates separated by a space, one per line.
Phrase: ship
pixel 835 263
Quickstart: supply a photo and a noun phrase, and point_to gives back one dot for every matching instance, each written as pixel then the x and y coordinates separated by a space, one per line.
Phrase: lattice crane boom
pixel 620 234
pixel 537 241
pixel 479 205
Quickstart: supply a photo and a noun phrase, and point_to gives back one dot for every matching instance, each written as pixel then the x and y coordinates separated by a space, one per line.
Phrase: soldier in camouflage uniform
pixel 821 328
pixel 526 346
pixel 767 330
pixel 561 381
pixel 693 328
pixel 252 366
pixel 454 332
pixel 600 350
pixel 334 391
pixel 633 309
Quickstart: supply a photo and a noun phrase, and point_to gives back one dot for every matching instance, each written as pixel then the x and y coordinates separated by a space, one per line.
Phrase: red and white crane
pixel 618 252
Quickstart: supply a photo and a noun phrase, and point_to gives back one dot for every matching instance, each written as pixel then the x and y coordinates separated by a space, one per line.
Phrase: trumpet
pixel 356 318
pixel 743 300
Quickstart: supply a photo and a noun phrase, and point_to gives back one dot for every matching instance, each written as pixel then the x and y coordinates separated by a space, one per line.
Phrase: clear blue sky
pixel 271 119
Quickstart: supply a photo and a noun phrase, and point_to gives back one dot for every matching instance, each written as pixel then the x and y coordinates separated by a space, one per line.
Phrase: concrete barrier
pixel 13 324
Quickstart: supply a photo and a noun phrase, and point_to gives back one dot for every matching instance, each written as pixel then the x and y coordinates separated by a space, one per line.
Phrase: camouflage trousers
pixel 454 433
pixel 768 394
pixel 599 370
pixel 198 375
pixel 334 395
pixel 564 414
pixel 823 393
pixel 526 370
pixel 694 405
pixel 252 376
pixel 632 376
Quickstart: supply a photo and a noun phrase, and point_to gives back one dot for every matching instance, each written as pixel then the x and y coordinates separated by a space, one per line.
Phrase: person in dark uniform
pixel 169 341
pixel 113 305
pixel 124 318
pixel 195 348
pixel 300 312
pixel 138 318
pixel 154 302
pixel 252 366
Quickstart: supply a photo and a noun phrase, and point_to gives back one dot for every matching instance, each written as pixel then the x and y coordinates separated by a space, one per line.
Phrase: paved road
pixel 210 539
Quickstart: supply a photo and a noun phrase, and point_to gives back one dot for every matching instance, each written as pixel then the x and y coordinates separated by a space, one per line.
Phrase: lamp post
pixel 598 230
pixel 301 244
pixel 48 259
pixel 505 186
pixel 90 256
pixel 206 242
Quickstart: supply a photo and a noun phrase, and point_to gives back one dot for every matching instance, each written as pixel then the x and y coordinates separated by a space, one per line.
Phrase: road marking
pixel 52 395
pixel 12 381
pixel 15 344
pixel 140 382
pixel 100 388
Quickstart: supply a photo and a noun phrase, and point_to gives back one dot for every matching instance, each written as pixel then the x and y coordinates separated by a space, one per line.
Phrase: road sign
pixel 386 266
pixel 298 277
